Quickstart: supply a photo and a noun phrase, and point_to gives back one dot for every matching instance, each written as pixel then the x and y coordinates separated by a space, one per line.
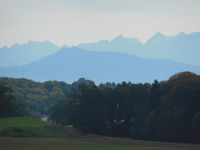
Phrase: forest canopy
pixel 166 111
pixel 37 95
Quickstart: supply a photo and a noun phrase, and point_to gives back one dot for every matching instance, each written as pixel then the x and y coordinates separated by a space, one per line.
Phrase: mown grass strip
pixel 68 144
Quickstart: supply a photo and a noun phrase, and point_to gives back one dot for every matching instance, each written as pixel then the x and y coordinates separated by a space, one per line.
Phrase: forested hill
pixel 39 95
pixel 70 64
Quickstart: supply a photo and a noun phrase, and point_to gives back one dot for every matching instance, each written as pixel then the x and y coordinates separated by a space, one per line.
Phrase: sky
pixel 72 22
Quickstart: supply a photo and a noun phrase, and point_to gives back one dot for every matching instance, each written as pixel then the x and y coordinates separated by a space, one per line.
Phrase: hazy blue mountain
pixel 70 64
pixel 182 47
pixel 19 55
pixel 64 46
pixel 157 38
pixel 118 44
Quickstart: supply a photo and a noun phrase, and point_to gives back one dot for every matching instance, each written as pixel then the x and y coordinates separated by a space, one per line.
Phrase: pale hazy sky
pixel 72 22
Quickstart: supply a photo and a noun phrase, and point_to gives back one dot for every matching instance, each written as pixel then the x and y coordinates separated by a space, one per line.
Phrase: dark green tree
pixel 86 106
pixel 195 130
pixel 174 116
pixel 55 110
pixel 6 99
pixel 155 96
pixel 20 109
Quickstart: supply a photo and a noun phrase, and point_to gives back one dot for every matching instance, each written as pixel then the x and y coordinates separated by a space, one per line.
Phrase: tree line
pixel 39 95
pixel 166 111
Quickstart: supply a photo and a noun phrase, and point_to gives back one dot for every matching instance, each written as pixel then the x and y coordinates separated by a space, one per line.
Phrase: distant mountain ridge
pixel 181 48
pixel 19 55
pixel 118 44
pixel 70 64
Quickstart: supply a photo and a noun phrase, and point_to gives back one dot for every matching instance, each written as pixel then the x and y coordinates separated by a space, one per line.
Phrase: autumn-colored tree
pixel 37 95
pixel 179 102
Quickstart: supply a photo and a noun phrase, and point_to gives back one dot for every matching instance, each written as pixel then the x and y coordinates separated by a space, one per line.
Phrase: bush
pixel 63 122
pixel 84 130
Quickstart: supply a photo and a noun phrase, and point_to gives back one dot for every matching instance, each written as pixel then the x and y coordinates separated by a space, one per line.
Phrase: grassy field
pixel 14 133
pixel 33 128
pixel 21 122
pixel 88 144
pixel 50 131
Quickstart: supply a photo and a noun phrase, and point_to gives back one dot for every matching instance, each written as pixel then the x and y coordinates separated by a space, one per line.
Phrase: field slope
pixel 53 137
pixel 33 128
pixel 21 122
pixel 88 144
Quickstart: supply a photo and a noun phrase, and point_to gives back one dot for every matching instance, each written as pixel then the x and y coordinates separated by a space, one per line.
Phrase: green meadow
pixel 21 122
pixel 22 133
pixel 34 128
pixel 71 144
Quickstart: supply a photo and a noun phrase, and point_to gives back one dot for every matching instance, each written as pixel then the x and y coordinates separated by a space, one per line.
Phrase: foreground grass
pixel 21 122
pixel 68 138
pixel 50 131
pixel 71 144
pixel 33 128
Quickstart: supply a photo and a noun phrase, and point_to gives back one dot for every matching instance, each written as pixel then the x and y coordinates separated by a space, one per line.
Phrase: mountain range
pixel 70 64
pixel 181 48
pixel 18 55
